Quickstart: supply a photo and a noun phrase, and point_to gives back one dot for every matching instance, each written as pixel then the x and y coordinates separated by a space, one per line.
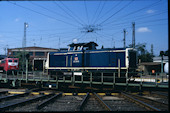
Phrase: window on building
pixel 31 53
pixel 39 54
pixel 13 53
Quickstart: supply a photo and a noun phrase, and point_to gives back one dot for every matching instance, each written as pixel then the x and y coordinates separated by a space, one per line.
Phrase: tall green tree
pixel 21 57
pixel 143 54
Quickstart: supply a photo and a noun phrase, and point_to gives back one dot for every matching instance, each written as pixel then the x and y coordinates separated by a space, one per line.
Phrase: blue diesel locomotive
pixel 84 57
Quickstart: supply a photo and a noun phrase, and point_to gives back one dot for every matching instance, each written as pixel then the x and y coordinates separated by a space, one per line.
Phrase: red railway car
pixel 9 64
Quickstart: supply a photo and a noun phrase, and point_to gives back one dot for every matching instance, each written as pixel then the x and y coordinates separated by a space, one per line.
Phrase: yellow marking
pixel 15 92
pixel 70 94
pixel 114 93
pixel 145 93
pixel 46 93
pixel 90 93
pixel 134 93
pixel 35 93
pixel 101 93
pixel 158 81
pixel 82 93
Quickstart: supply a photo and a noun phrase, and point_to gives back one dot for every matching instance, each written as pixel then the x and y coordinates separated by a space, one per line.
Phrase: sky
pixel 55 24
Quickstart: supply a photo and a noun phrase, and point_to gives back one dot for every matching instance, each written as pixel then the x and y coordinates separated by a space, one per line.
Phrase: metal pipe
pixel 26 70
pixel 119 68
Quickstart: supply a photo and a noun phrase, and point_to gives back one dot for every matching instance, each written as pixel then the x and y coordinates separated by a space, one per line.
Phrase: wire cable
pixel 100 12
pixel 71 11
pixel 122 17
pixel 109 10
pixel 67 12
pixel 42 14
pixel 86 11
pixel 48 9
pixel 116 12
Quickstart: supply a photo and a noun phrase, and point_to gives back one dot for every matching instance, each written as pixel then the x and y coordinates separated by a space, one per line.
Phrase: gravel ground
pixel 65 103
pixel 28 107
pixel 13 90
pixel 117 103
pixel 19 99
pixel 93 105
pixel 157 98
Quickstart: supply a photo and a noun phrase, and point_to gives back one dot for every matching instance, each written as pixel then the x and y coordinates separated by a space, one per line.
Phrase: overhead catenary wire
pixel 71 11
pixel 116 5
pixel 137 18
pixel 136 11
pixel 105 33
pixel 42 14
pixel 52 11
pixel 86 11
pixel 99 12
pixel 96 11
pixel 116 12
pixel 67 13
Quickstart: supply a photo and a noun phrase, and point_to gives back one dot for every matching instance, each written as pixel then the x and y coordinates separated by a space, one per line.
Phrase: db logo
pixel 75 58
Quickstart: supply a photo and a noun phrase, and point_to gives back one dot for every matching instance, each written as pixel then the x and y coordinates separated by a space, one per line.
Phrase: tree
pixel 143 54
pixel 102 47
pixel 164 53
pixel 20 56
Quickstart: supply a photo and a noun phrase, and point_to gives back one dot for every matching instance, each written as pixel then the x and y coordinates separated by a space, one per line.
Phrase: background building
pixel 155 66
pixel 38 55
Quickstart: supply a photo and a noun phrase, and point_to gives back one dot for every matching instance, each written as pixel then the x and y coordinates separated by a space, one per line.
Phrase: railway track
pixel 3 92
pixel 119 103
pixel 93 103
pixel 149 104
pixel 58 101
pixel 160 94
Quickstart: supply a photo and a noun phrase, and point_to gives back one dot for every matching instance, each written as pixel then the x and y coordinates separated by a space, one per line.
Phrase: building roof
pixel 33 48
pixel 2 56
pixel 159 59
pixel 150 63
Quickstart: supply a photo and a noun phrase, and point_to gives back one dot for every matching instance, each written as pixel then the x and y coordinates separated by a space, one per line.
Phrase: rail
pixel 82 104
pixel 102 102
pixel 145 102
pixel 13 96
pixel 41 105
pixel 3 108
pixel 3 92
pixel 160 94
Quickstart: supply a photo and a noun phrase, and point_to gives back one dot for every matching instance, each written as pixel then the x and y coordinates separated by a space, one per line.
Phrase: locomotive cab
pixel 82 46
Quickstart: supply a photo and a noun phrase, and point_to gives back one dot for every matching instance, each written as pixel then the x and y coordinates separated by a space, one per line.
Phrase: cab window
pixel 3 61
pixel 9 60
pixel 16 61
pixel 71 48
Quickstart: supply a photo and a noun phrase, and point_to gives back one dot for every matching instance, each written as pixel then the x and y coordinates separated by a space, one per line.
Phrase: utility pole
pixel 59 43
pixel 124 39
pixel 5 49
pixel 113 42
pixel 24 45
pixel 152 49
pixel 133 35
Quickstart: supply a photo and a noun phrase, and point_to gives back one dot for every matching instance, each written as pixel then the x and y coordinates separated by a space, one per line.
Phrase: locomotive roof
pixel 83 44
